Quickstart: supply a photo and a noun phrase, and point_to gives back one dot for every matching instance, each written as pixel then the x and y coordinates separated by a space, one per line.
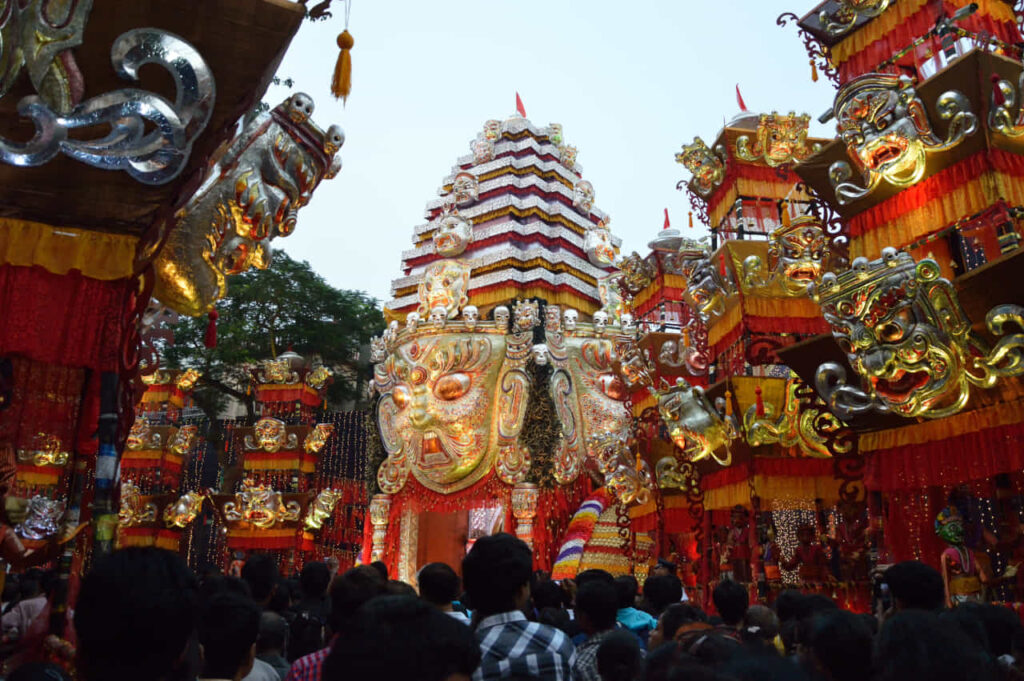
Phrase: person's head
pixel 713 650
pixel 662 591
pixel 141 603
pixel 731 601
pixel 260 573
pixel 228 627
pixel 496 573
pixel 663 567
pixel 999 625
pixel 915 586
pixel 839 646
pixel 596 606
pixel 916 644
pixel 762 622
pixel 675 617
pixel 619 657
pixel 381 569
pixel 398 638
pixel 439 585
pixel 350 591
pixel 626 588
pixel 761 668
pixel 789 605
pixel 314 579
pixel 594 575
pixel 30 587
pixel 549 595
pixel 220 584
pixel 273 633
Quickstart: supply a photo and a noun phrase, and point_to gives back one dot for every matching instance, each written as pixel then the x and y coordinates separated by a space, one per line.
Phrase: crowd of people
pixel 142 615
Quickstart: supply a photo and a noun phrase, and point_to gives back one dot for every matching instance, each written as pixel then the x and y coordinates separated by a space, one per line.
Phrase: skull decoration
pixel 694 425
pixel 583 196
pixel 445 284
pixel 780 140
pixel 378 349
pixel 42 519
pixel 252 195
pixel 798 254
pixel 465 189
pixel 885 128
pixel 708 168
pixel 412 322
pixel 452 235
pixel 501 317
pixel 570 319
pixel 540 355
pixel 903 330
pixel 597 244
pixel 600 321
pixel 843 18
pixel 438 317
pixel 628 325
pixel 470 316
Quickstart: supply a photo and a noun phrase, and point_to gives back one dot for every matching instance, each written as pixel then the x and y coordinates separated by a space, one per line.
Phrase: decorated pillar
pixel 380 509
pixel 524 508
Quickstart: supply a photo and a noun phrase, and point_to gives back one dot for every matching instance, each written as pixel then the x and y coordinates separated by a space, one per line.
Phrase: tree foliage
pixel 265 313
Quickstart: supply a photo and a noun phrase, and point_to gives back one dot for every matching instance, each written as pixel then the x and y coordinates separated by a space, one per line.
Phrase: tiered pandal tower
pixel 503 382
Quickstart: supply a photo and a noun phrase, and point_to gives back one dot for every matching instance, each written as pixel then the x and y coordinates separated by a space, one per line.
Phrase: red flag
pixel 519 106
pixel 667 223
pixel 739 98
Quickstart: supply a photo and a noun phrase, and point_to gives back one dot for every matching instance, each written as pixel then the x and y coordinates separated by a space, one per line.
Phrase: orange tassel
pixel 785 214
pixel 728 403
pixel 814 72
pixel 759 409
pixel 691 219
pixel 341 85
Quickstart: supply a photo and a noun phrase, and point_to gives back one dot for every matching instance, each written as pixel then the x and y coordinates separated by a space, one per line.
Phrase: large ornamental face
pixel 885 127
pixel 465 188
pixel 583 196
pixel 707 167
pixel 597 244
pixel 452 235
pixel 706 290
pixel 694 425
pixel 903 330
pixel 445 284
pixel 436 418
pixel 798 254
pixel 270 434
pixel 780 139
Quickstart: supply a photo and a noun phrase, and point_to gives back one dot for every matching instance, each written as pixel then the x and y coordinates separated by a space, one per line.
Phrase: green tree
pixel 265 313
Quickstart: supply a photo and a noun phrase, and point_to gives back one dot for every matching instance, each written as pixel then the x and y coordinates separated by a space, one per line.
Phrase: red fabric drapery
pixel 787 467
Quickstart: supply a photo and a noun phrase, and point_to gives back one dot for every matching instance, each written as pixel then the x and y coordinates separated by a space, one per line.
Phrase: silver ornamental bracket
pixel 154 156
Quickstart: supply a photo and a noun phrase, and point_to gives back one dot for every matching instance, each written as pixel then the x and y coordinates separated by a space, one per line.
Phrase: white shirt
pixel 261 671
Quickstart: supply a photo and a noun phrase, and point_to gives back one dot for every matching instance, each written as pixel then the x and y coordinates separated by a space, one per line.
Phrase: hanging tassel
pixel 785 214
pixel 998 98
pixel 691 219
pixel 210 339
pixel 341 85
pixel 814 72
pixel 760 401
pixel 721 265
pixel 728 403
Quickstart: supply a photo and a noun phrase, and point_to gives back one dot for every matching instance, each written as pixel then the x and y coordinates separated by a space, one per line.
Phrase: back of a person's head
pixel 38 671
pixel 967 616
pixel 494 572
pixel 626 587
pixel 351 590
pixel 228 627
pixel 30 588
pixel 136 611
pixel 273 632
pixel 659 663
pixel 761 668
pixel 260 573
pixel 597 604
pixel 789 605
pixel 662 591
pixel 398 638
pixel 761 621
pixel 915 586
pixel 731 601
pixel 549 594
pixel 713 650
pixel 841 645
pixel 678 614
pixel 917 644
pixel 314 579
pixel 381 568
pixel 221 584
pixel 439 585
pixel 619 657
pixel 594 574
pixel 555 617
pixel 1001 626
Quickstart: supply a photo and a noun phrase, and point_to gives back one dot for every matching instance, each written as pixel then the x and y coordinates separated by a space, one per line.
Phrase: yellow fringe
pixel 62 249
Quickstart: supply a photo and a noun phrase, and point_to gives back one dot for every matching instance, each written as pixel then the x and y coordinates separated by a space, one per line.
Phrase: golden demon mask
pixel 277 371
pixel 261 506
pixel 708 167
pixel 183 511
pixel 271 435
pixel 708 284
pixel 319 377
pixel 848 13
pixel 903 330
pixel 182 441
pixel 317 437
pixel 797 257
pixel 779 140
pixel 446 285
pixel 133 511
pixel 885 128
pixel 141 436
pixel 251 195
pixel 694 425
pixel 452 234
pixel 597 244
pixel 583 196
pixel 636 274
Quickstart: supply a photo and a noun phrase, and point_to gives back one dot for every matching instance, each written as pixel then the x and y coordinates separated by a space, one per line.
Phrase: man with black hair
pixel 399 638
pixel 312 610
pixel 271 642
pixel 839 646
pixel 348 593
pixel 731 600
pixel 678 619
pixel 381 568
pixel 660 592
pixel 228 627
pixel 619 658
pixel 637 621
pixel 135 615
pixel 261 574
pixel 440 586
pixel 915 586
pixel 496 573
pixel 596 605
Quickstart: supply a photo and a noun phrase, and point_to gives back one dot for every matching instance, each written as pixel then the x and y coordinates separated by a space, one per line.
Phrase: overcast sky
pixel 628 81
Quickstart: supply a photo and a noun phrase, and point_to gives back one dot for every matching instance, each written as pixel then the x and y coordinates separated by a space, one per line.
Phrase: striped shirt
pixel 513 647
pixel 310 667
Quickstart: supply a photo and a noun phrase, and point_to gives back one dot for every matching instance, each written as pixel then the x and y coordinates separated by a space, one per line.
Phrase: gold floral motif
pixel 47 450
pixel 271 436
pixel 182 441
pixel 844 17
pixel 318 377
pixel 133 511
pixel 184 510
pixel 779 140
pixel 321 508
pixel 799 424
pixel 261 506
pixel 187 380
pixel 317 438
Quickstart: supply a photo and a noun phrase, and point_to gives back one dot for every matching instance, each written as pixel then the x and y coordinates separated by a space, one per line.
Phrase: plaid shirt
pixel 511 647
pixel 585 667
pixel 310 667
